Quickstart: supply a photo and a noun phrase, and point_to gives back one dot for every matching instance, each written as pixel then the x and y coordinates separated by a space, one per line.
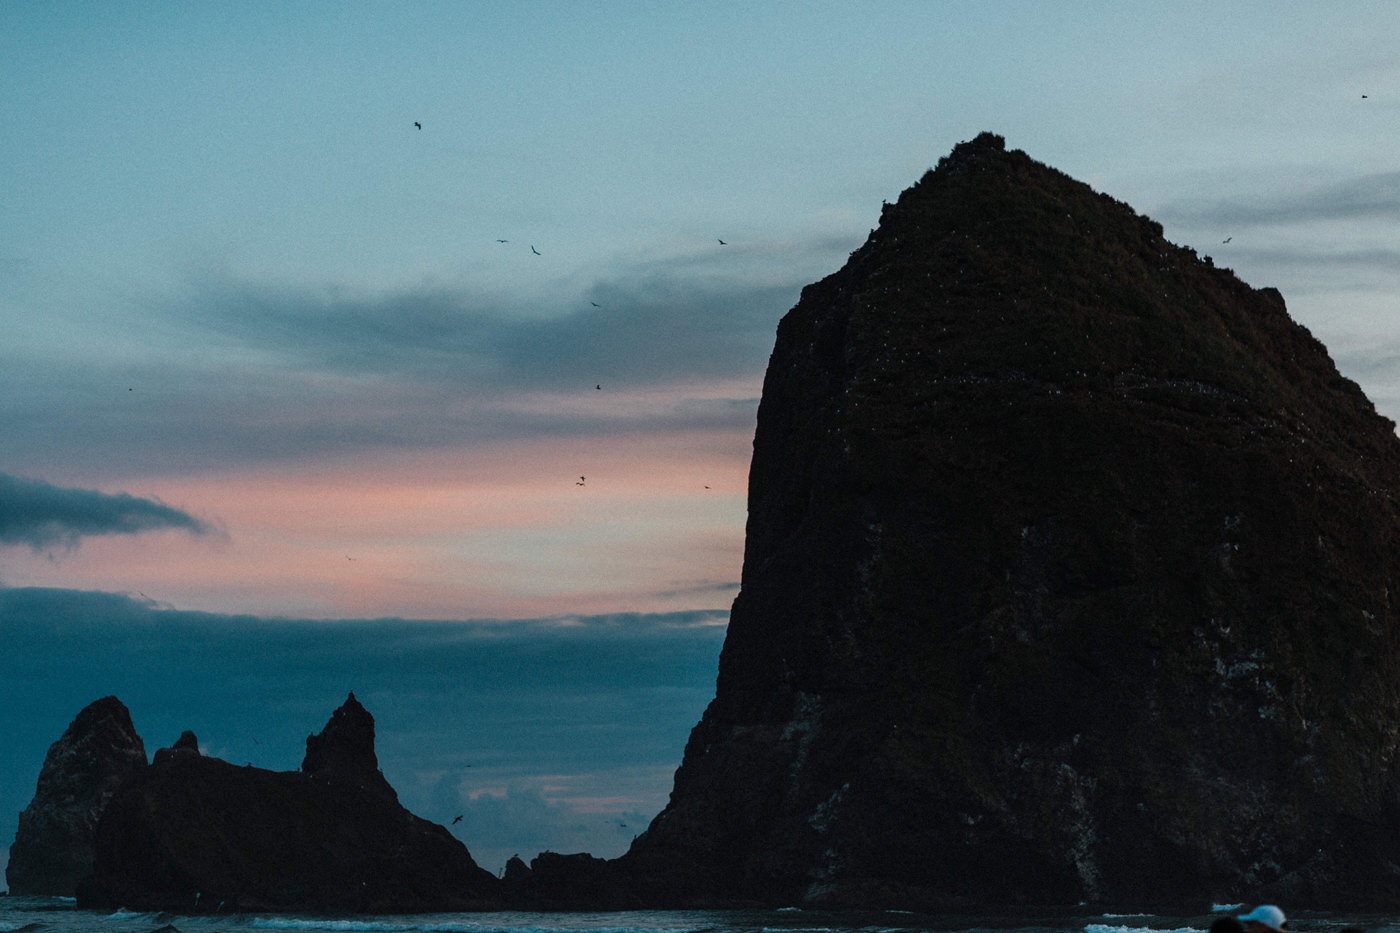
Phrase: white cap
pixel 1267 914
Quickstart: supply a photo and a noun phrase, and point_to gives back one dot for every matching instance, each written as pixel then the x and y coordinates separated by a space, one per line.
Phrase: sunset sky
pixel 269 371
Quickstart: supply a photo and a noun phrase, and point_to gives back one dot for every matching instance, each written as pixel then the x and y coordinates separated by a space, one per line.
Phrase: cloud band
pixel 41 515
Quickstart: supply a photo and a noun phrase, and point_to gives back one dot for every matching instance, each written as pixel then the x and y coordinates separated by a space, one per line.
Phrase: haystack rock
pixel 196 833
pixel 53 845
pixel 1068 579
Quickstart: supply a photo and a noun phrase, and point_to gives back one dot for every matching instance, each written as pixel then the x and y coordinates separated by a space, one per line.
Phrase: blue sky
pixel 266 363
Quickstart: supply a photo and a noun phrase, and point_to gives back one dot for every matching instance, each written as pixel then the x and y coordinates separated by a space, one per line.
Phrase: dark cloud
pixel 1376 364
pixel 638 329
pixel 1365 197
pixel 592 703
pixel 41 515
pixel 1301 266
pixel 729 588
pixel 1344 261
pixel 256 373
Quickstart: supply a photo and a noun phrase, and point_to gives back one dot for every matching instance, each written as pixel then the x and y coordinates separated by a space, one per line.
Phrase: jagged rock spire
pixel 344 750
pixel 53 847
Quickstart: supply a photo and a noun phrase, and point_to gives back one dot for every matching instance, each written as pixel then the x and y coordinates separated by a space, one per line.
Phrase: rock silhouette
pixel 343 752
pixel 193 833
pixel 1068 579
pixel 53 847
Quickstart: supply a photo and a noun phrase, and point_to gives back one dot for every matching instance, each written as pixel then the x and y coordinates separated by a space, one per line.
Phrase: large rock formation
pixel 194 833
pixel 53 845
pixel 1068 579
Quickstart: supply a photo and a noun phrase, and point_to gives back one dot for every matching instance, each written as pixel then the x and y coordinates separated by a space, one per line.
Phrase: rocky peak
pixel 186 745
pixel 53 847
pixel 1067 579
pixel 344 750
pixel 197 834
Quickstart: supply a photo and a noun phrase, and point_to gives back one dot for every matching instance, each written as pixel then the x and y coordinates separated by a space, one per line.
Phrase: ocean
pixel 61 915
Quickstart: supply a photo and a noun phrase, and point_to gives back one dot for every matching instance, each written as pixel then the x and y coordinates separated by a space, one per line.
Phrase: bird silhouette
pixel 417 124
pixel 503 241
pixel 1227 239
pixel 721 242
pixel 535 251
pixel 456 819
pixel 595 304
pixel 580 481
pixel 599 387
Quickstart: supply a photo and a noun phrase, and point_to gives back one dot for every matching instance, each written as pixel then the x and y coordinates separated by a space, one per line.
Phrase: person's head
pixel 1266 918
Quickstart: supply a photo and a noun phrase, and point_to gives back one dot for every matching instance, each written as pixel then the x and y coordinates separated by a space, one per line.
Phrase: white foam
pixel 350 926
pixel 452 926
pixel 123 914
pixel 1107 928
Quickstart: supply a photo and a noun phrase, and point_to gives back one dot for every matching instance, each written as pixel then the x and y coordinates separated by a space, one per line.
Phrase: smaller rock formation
pixel 53 847
pixel 516 876
pixel 193 833
pixel 554 881
pixel 186 744
pixel 343 752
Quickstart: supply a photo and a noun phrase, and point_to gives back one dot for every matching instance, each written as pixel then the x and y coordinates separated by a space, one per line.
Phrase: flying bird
pixel 721 242
pixel 1227 239
pixel 417 124
pixel 503 241
pixel 595 304
pixel 599 387
pixel 580 481
pixel 535 251
pixel 456 819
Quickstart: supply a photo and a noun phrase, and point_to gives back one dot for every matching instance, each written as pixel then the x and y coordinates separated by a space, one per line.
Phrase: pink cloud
pixel 504 530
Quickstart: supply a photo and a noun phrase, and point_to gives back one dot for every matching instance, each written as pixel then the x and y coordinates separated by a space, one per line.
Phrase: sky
pixel 415 349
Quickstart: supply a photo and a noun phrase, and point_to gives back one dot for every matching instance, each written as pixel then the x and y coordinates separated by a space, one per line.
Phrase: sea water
pixel 61 915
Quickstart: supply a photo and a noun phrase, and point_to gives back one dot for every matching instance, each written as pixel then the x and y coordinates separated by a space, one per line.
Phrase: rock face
pixel 53 845
pixel 1067 579
pixel 567 882
pixel 343 752
pixel 193 833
